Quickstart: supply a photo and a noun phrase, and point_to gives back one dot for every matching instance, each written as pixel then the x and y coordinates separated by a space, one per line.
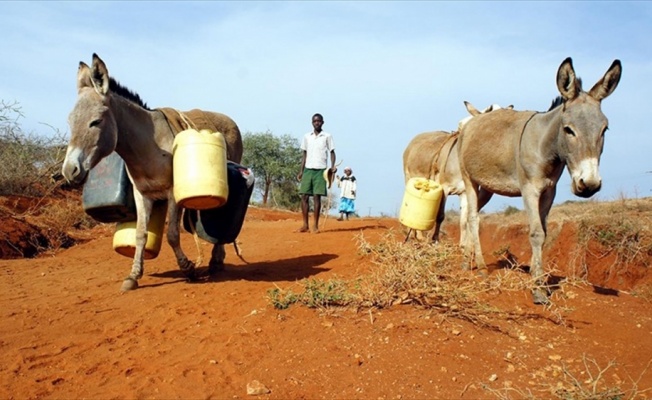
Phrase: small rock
pixel 255 388
pixel 493 377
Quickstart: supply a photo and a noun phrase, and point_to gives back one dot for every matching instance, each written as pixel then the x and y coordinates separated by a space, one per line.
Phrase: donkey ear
pixel 567 83
pixel 100 75
pixel 471 109
pixel 83 76
pixel 608 83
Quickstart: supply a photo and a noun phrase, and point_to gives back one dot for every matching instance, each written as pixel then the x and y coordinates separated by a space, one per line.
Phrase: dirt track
pixel 67 332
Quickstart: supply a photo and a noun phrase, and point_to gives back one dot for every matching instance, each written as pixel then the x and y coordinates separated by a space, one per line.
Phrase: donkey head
pixel 94 131
pixel 583 125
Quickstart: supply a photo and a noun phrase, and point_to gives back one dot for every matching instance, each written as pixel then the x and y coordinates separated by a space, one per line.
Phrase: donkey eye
pixel 95 123
pixel 569 131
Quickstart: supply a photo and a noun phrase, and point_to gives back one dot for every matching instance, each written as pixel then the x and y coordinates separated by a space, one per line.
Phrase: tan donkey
pixel 523 153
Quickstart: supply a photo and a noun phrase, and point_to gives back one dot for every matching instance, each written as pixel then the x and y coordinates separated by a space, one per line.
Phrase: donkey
pixel 433 155
pixel 108 117
pixel 523 153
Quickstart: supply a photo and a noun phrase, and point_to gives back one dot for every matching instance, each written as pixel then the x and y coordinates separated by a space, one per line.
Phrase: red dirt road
pixel 67 332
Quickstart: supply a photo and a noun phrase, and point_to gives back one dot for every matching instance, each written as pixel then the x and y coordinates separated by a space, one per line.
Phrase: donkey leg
pixel 472 245
pixel 464 220
pixel 186 266
pixel 534 207
pixel 216 264
pixel 483 198
pixel 439 219
pixel 143 212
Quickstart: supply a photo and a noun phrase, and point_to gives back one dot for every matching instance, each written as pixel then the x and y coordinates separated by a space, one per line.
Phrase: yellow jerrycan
pixel 199 169
pixel 124 238
pixel 420 204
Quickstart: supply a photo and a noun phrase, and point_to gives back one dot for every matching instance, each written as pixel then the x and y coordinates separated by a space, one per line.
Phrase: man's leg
pixel 304 212
pixel 317 211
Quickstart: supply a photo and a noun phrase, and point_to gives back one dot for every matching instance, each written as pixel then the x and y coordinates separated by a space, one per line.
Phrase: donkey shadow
pixel 289 269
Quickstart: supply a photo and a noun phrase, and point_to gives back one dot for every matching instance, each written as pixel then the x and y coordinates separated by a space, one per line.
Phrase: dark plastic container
pixel 108 194
pixel 222 225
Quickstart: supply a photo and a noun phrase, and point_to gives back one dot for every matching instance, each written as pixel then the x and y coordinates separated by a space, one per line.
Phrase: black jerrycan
pixel 108 195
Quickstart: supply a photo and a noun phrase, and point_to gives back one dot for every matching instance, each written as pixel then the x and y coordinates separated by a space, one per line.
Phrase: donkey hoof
pixel 129 284
pixel 482 272
pixel 190 273
pixel 540 296
pixel 215 267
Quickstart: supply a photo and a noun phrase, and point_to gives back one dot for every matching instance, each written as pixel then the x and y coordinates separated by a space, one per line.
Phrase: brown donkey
pixel 108 117
pixel 523 153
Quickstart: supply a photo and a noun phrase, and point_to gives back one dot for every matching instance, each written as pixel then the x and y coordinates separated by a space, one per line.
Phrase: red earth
pixel 66 331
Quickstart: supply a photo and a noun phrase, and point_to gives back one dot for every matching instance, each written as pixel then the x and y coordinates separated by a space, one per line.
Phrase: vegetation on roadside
pixel 27 160
pixel 589 384
pixel 275 161
pixel 407 273
pixel 429 276
pixel 29 174
pixel 620 233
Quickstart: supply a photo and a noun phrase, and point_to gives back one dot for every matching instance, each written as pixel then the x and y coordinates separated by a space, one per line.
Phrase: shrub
pixel 27 161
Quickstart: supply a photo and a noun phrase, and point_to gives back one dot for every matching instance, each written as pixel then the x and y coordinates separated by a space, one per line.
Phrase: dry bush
pixel 28 163
pixel 412 273
pixel 589 384
pixel 315 294
pixel 27 160
pixel 63 222
pixel 622 230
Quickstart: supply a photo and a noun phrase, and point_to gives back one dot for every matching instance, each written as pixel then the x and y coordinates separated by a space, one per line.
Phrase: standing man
pixel 317 147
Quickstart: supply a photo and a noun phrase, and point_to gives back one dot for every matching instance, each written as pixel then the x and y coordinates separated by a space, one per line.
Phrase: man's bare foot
pixel 303 229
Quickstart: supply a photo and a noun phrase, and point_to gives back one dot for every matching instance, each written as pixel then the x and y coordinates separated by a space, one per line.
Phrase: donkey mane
pixel 556 103
pixel 122 91
pixel 560 100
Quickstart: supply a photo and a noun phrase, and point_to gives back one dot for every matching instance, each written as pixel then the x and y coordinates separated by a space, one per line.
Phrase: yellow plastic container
pixel 199 169
pixel 124 238
pixel 420 204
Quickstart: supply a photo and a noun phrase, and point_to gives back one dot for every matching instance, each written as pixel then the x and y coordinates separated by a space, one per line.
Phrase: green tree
pixel 275 161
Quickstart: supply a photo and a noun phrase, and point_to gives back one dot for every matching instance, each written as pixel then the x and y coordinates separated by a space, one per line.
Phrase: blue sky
pixel 379 72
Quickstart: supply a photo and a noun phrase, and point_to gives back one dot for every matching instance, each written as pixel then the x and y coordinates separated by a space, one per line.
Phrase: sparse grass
pixel 618 232
pixel 315 294
pixel 413 273
pixel 506 258
pixel 589 384
pixel 643 292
